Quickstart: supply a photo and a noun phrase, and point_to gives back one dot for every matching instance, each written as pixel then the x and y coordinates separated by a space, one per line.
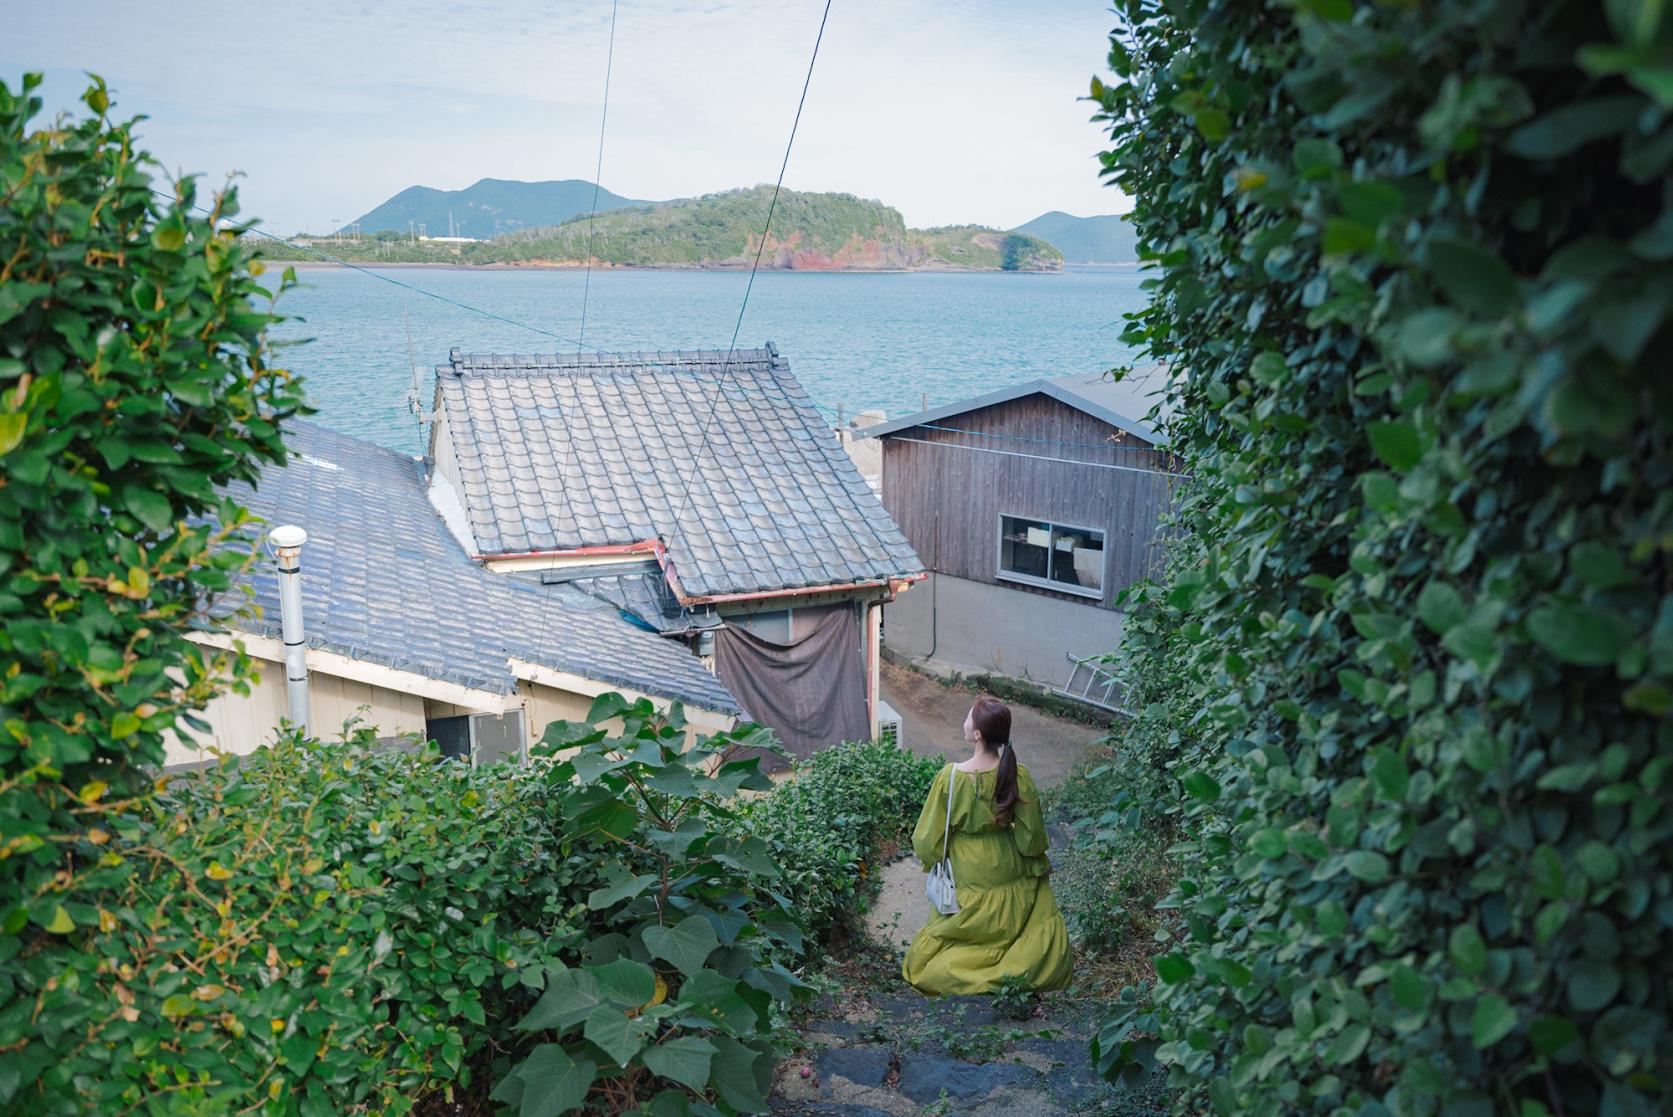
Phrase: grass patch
pixel 1110 878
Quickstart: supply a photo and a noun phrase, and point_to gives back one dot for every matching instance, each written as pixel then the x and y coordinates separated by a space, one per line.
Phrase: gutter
pixel 892 585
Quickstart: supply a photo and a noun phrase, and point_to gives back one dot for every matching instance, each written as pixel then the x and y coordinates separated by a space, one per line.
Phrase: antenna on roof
pixel 415 394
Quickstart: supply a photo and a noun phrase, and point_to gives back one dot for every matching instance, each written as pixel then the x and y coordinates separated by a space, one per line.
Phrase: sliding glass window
pixel 1051 555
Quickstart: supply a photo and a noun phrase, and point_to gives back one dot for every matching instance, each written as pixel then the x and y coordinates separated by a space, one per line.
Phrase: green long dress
pixel 1008 922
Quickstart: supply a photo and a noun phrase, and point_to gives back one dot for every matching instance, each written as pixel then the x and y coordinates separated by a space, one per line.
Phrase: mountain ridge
pixel 489 207
pixel 1104 239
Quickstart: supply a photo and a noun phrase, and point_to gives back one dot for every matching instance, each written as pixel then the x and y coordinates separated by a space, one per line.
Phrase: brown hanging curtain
pixel 811 691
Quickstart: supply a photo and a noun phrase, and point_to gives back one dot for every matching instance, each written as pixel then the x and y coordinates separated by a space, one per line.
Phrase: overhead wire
pixel 755 265
pixel 598 174
pixel 586 289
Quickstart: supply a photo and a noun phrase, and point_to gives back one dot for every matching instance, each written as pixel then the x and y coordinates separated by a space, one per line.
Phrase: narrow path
pixel 932 724
pixel 879 1049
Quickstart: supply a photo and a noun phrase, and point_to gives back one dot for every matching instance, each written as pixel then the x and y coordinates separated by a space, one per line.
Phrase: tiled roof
pixel 383 581
pixel 561 451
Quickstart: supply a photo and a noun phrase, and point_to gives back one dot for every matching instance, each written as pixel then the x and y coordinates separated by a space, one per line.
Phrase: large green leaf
pixel 553 1083
pixel 590 765
pixel 618 1035
pixel 749 854
pixel 625 982
pixel 684 1059
pixel 570 997
pixel 742 1075
pixel 713 999
pixel 687 944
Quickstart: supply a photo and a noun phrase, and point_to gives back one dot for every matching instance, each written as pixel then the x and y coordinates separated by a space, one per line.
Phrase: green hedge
pixel 832 828
pixel 314 926
pixel 1413 264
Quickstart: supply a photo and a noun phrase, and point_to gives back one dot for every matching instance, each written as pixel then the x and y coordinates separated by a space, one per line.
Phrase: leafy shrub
pixel 847 812
pixel 1412 263
pixel 133 384
pixel 1014 997
pixel 673 1002
pixel 307 929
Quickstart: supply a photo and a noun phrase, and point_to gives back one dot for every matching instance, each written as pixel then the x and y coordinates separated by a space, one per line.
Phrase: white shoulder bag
pixel 938 885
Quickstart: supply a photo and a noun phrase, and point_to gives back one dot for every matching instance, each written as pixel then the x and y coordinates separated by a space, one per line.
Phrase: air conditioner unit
pixel 888 724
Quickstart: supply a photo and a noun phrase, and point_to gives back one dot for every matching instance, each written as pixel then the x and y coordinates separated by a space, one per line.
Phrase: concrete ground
pixel 932 724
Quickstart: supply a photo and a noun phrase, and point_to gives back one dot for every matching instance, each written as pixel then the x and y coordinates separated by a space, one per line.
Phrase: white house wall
pixel 240 723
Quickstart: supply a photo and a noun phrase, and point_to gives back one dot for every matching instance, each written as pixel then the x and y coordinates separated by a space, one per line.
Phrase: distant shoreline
pixel 443 265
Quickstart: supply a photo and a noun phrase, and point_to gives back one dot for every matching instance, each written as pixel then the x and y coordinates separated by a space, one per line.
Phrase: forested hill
pixel 1086 240
pixel 810 232
pixel 488 208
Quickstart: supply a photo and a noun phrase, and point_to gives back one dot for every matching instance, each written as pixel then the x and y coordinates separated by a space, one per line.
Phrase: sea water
pixel 857 341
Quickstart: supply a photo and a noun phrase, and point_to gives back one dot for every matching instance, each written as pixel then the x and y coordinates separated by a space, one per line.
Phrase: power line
pixel 598 174
pixel 726 373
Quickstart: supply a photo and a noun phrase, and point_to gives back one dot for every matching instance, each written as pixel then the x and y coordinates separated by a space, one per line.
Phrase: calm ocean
pixel 855 340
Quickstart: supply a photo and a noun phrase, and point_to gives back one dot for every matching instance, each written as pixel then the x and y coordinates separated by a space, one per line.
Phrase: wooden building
pixel 1032 508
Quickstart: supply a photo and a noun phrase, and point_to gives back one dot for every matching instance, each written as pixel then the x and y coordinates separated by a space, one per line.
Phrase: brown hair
pixel 992 719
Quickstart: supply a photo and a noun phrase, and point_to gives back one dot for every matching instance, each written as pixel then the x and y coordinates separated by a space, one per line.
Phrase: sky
pixel 952 112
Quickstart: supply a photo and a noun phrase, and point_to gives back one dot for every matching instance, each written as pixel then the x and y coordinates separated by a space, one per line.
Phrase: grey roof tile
pixel 385 582
pixel 614 442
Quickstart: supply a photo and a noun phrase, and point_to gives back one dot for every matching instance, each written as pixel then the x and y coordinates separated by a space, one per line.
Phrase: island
pixel 810 232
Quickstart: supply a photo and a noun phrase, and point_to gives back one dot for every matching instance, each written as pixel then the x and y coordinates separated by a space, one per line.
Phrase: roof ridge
pixel 501 363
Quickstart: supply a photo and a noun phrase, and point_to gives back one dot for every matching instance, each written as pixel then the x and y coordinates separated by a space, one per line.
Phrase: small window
pixel 479 738
pixel 1056 556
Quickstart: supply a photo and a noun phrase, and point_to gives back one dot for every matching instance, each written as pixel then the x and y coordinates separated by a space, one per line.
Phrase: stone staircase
pixel 904 1055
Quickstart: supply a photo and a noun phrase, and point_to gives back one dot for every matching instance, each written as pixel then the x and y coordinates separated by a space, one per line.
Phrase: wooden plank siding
pixel 1036 458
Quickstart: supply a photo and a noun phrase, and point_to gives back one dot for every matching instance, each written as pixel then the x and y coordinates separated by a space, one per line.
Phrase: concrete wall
pixel 977 627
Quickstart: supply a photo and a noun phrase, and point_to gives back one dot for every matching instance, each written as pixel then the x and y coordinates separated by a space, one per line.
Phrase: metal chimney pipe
pixel 287 543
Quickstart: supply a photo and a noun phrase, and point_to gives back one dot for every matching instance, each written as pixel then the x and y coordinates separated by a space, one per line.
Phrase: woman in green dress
pixel 1007 922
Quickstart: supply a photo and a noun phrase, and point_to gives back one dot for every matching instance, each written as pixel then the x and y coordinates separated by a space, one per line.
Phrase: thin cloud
pixel 953 112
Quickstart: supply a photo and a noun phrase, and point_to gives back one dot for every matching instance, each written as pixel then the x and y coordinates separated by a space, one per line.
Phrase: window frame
pixel 1047 583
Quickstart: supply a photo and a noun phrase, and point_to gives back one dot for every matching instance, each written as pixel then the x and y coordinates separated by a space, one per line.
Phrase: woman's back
pixel 1007 922
pixel 985 854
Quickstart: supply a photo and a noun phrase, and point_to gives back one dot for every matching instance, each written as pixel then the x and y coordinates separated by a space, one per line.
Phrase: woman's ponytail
pixel 992 719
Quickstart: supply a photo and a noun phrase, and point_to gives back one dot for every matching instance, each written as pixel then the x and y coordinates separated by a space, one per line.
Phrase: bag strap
pixel 947 833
